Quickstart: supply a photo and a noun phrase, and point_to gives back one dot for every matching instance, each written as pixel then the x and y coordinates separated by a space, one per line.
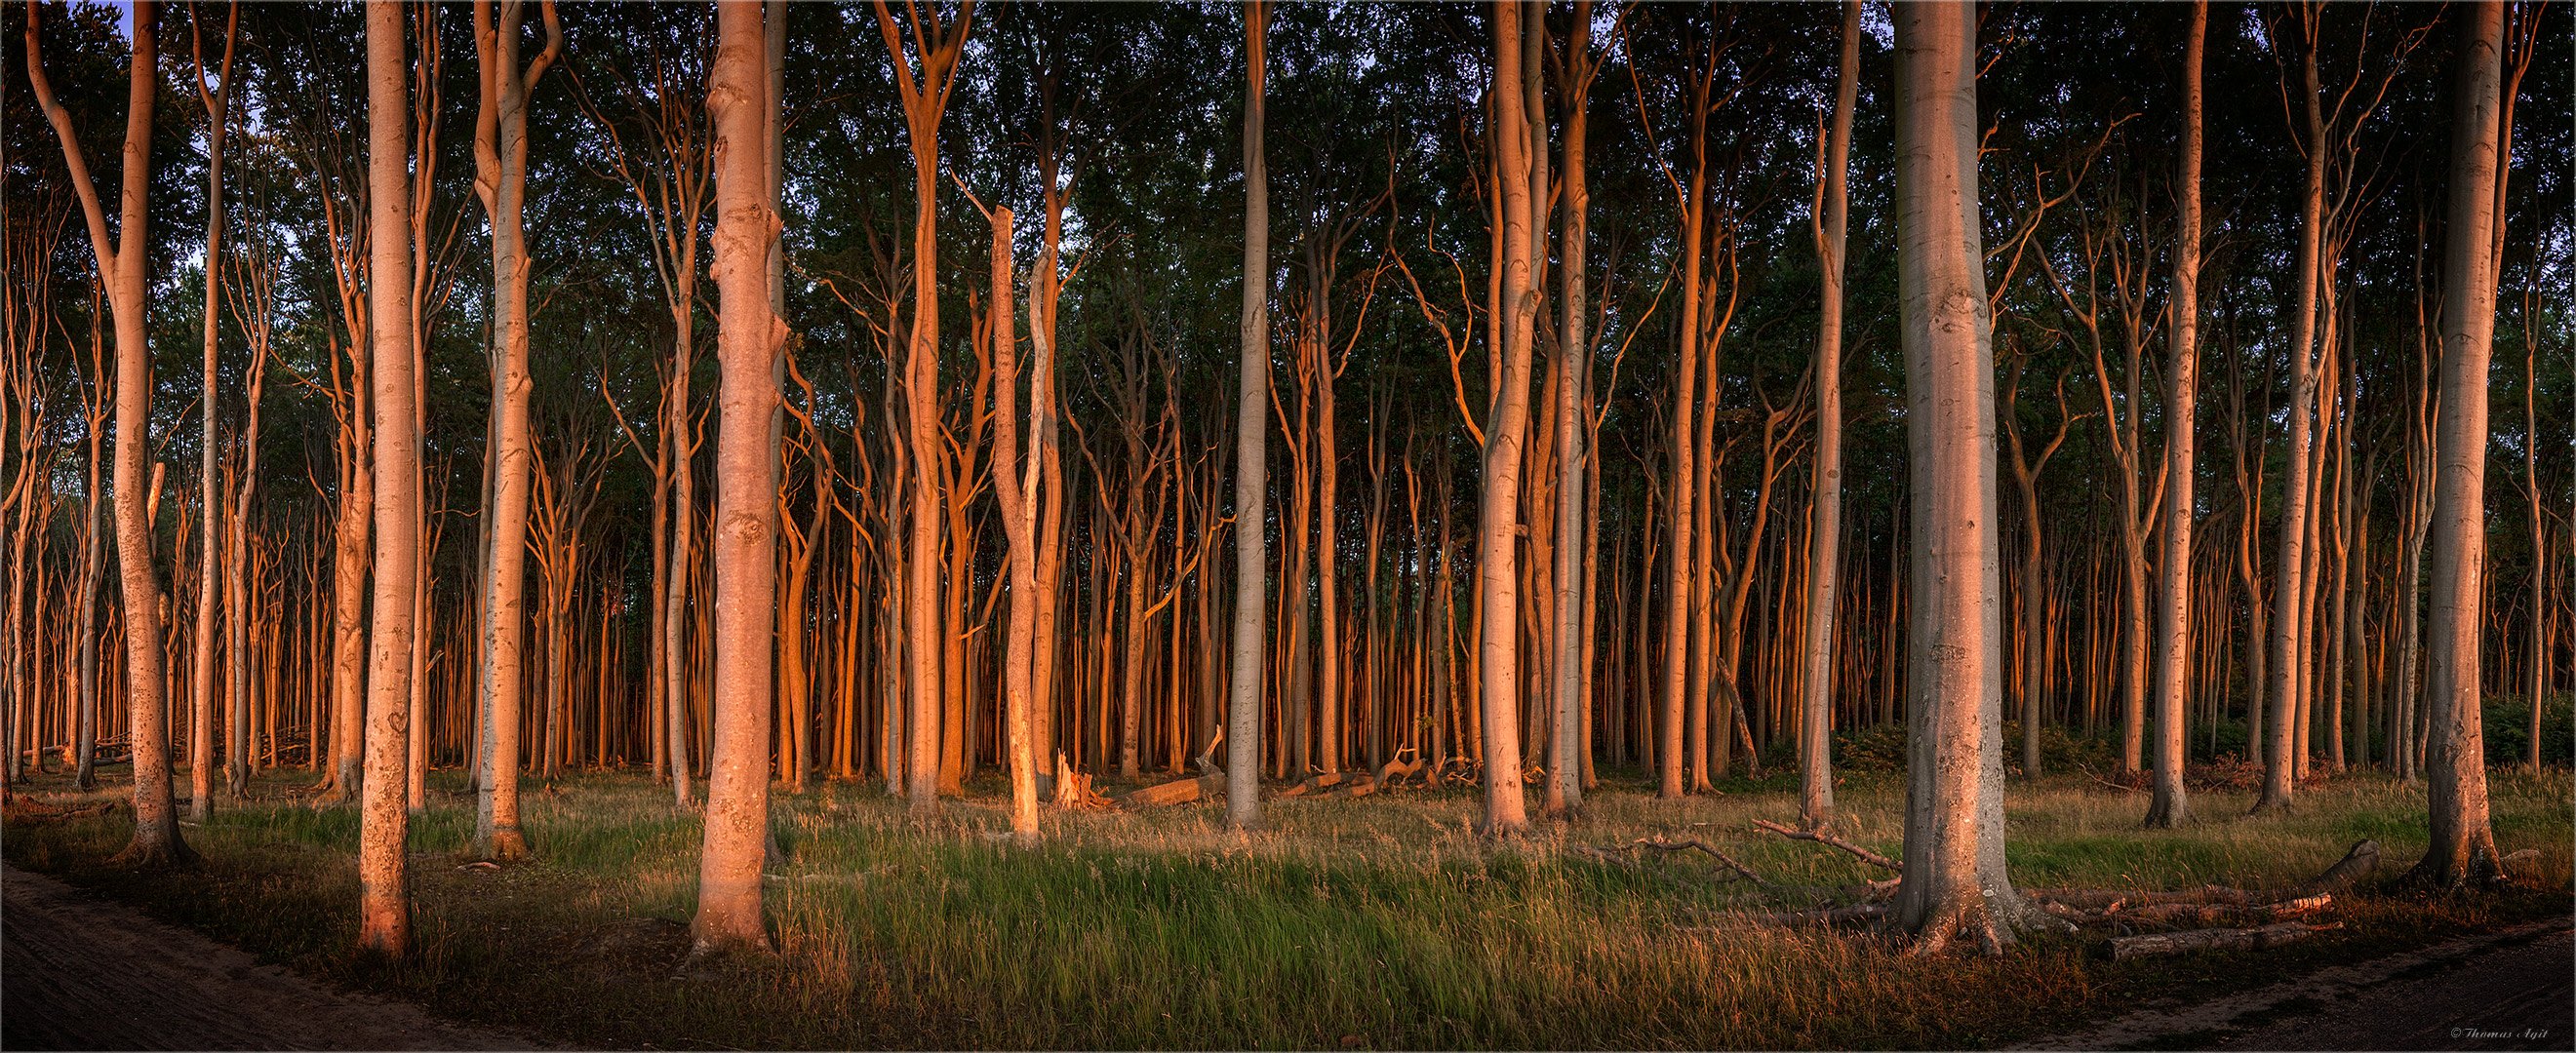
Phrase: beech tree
pixel 1497 524
pixel 2462 847
pixel 749 339
pixel 2170 805
pixel 925 80
pixel 120 261
pixel 201 713
pixel 1954 882
pixel 384 899
pixel 500 180
pixel 1824 545
pixel 1251 449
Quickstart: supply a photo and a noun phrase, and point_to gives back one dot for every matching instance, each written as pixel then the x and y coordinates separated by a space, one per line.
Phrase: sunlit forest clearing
pixel 1382 922
pixel 1560 524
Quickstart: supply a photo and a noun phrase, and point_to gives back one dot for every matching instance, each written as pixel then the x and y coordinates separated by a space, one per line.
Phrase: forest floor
pixel 83 973
pixel 1377 922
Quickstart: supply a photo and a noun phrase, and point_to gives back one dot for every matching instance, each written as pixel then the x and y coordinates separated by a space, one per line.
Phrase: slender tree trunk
pixel 925 99
pixel 1824 546
pixel 1954 882
pixel 1497 548
pixel 1576 542
pixel 2462 844
pixel 2289 580
pixel 1251 449
pixel 384 900
pixel 201 714
pixel 500 179
pixel 744 549
pixel 2170 805
pixel 122 262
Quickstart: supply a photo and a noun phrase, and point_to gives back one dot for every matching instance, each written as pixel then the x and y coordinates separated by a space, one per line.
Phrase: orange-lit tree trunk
pixel 2462 844
pixel 2170 806
pixel 500 179
pixel 201 712
pixel 924 81
pixel 1954 882
pixel 749 338
pixel 1497 554
pixel 1824 548
pixel 384 907
pixel 121 260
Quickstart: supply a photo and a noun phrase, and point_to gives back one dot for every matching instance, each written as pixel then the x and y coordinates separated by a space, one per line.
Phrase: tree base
pixel 144 853
pixel 506 845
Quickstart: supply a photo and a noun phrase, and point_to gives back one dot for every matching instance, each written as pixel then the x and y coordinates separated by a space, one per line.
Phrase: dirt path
pixel 78 972
pixel 2497 991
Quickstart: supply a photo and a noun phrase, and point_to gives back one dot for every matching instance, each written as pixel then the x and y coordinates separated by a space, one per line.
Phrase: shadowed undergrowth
pixel 1380 922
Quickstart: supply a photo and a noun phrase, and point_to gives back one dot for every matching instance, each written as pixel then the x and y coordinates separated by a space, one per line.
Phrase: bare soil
pixel 78 972
pixel 2512 990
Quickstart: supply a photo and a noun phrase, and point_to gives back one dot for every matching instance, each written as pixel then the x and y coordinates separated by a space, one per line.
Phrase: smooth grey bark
pixel 201 713
pixel 1252 449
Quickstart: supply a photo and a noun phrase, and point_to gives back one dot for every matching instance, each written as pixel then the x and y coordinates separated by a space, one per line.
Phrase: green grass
pixel 1379 922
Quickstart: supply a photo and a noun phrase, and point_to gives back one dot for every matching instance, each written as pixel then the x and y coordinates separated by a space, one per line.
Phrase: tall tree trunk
pixel 1824 547
pixel 1954 882
pixel 1575 539
pixel 1251 449
pixel 500 179
pixel 925 81
pixel 1497 521
pixel 749 339
pixel 1016 486
pixel 201 714
pixel 384 901
pixel 2170 806
pixel 2289 580
pixel 2462 844
pixel 122 262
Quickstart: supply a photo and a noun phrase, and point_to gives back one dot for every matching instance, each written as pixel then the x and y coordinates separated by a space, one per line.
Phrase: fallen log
pixel 2259 938
pixel 2357 864
pixel 1689 845
pixel 1398 769
pixel 1313 784
pixel 1177 791
pixel 1825 838
pixel 1854 914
